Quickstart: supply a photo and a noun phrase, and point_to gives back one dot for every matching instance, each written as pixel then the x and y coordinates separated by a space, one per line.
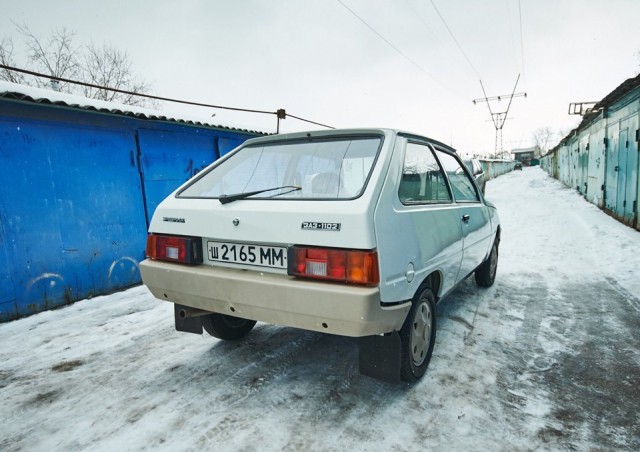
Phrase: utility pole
pixel 500 118
pixel 281 114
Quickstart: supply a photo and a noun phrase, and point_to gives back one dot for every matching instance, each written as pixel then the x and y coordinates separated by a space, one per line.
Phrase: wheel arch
pixel 433 282
pixel 498 235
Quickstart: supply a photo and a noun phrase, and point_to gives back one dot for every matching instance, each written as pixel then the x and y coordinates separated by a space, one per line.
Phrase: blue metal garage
pixel 80 184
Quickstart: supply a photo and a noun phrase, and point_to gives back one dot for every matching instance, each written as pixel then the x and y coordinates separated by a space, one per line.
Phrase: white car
pixel 356 232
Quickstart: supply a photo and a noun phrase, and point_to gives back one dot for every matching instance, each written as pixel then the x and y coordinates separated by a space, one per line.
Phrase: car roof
pixel 345 132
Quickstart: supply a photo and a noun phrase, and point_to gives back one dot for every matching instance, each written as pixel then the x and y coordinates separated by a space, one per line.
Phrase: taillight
pixel 331 264
pixel 185 250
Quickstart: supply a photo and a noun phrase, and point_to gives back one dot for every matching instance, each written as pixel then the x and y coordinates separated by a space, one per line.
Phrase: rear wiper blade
pixel 225 199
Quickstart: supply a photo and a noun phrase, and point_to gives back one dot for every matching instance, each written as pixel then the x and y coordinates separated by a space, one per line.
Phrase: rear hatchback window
pixel 322 169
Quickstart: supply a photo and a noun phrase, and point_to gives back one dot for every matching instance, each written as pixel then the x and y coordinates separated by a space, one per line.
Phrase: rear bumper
pixel 279 299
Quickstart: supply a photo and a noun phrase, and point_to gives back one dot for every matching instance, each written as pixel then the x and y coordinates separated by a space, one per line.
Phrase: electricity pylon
pixel 500 118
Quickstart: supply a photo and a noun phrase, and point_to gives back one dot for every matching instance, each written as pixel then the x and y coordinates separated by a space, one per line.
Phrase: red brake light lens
pixel 185 250
pixel 330 264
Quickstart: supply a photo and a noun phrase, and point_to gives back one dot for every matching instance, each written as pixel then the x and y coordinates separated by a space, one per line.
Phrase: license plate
pixel 242 253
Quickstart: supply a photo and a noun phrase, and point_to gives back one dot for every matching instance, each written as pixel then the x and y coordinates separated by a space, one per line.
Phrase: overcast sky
pixel 317 60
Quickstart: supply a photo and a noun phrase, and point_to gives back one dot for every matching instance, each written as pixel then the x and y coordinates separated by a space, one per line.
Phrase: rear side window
pixel 337 168
pixel 462 186
pixel 423 181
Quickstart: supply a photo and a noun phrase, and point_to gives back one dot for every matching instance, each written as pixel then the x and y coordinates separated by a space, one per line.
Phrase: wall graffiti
pixel 192 170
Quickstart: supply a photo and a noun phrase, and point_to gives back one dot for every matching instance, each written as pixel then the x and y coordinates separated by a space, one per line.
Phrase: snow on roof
pixel 625 87
pixel 622 90
pixel 33 94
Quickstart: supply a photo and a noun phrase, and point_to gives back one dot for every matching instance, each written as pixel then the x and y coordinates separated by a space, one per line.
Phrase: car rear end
pixel 279 231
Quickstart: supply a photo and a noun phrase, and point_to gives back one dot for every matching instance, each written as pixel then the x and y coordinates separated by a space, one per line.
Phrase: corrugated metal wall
pixel 495 168
pixel 600 159
pixel 78 190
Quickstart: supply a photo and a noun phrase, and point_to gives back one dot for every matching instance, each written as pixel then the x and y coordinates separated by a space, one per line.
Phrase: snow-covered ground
pixel 548 358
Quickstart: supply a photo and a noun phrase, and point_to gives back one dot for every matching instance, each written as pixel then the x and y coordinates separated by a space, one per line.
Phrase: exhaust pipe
pixel 187 313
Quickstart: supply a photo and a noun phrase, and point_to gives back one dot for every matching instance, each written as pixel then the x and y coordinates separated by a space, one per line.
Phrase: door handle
pixel 466 218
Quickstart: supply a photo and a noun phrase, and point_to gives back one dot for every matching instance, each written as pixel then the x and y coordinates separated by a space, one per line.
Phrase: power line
pixel 455 40
pixel 309 121
pixel 390 44
pixel 280 114
pixel 131 93
pixel 521 40
pixel 512 41
pixel 432 35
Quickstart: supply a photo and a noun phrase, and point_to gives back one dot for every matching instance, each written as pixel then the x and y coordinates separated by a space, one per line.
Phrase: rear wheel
pixel 227 327
pixel 417 336
pixel 486 273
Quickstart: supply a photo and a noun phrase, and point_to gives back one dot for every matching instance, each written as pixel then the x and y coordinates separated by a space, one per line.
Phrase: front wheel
pixel 227 327
pixel 486 273
pixel 417 337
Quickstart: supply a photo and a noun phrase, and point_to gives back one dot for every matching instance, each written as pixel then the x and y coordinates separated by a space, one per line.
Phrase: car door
pixel 472 213
pixel 417 225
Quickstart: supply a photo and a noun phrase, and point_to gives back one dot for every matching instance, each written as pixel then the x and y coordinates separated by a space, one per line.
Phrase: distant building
pixel 526 155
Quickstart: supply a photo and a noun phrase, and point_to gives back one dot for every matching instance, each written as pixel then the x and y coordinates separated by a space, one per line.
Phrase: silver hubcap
pixel 421 333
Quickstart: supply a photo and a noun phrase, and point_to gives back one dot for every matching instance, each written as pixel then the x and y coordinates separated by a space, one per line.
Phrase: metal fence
pixel 495 168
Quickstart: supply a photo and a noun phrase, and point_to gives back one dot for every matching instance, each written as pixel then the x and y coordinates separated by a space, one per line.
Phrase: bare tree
pixel 108 66
pixel 59 57
pixel 56 56
pixel 6 58
pixel 543 137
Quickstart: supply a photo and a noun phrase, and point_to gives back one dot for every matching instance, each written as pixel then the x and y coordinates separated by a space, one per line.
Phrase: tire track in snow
pixel 282 367
pixel 595 383
pixel 631 299
pixel 521 396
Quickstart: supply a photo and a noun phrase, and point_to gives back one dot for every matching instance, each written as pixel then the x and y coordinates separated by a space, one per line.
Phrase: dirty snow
pixel 548 358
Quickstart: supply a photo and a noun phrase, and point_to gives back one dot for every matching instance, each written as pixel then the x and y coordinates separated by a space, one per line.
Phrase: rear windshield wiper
pixel 225 199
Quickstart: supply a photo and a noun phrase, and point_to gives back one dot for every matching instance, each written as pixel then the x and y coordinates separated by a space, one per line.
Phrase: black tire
pixel 418 336
pixel 227 327
pixel 486 273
